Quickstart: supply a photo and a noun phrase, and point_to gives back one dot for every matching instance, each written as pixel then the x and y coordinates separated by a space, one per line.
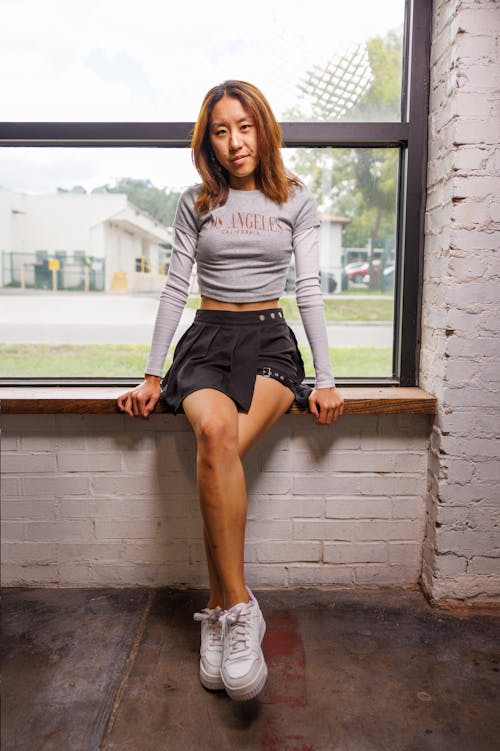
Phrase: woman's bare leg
pixel 216 589
pixel 221 485
pixel 270 402
pixel 224 436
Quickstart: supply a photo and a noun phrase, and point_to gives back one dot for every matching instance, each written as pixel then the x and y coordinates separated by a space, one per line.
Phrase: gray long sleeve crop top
pixel 243 250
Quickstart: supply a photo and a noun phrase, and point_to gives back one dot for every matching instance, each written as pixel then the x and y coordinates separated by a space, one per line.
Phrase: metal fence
pixel 55 271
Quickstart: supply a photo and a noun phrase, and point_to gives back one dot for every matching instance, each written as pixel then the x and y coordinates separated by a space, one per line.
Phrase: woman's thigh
pixel 213 416
pixel 271 399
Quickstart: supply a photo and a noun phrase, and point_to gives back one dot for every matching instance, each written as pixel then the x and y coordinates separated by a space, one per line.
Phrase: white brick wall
pixel 460 356
pixel 96 500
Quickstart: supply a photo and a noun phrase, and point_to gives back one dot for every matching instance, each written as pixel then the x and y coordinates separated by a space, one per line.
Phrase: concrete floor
pixel 364 670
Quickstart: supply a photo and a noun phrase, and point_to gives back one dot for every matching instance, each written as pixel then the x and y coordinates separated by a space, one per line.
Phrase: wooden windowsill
pixel 99 400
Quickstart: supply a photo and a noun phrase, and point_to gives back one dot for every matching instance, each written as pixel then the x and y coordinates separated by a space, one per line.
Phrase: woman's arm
pixel 172 299
pixel 326 402
pixel 141 401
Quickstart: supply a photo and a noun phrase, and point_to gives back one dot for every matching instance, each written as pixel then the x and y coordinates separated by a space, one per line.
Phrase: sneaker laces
pixel 235 627
pixel 213 618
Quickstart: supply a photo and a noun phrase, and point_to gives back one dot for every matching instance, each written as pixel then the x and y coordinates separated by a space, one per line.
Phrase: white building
pixel 330 249
pixel 86 233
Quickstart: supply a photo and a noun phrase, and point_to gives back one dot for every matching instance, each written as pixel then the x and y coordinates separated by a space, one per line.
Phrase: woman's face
pixel 233 137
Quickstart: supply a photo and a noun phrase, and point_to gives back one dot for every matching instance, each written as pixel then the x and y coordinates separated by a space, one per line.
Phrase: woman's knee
pixel 217 437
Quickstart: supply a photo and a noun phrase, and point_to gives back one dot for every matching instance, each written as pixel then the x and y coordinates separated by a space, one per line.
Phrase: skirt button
pixel 262 318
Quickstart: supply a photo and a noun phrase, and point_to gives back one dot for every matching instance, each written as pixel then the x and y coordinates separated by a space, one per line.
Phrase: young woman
pixel 237 369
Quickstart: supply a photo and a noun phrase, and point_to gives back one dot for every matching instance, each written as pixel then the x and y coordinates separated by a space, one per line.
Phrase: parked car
pixel 358 271
pixel 389 270
pixel 388 276
pixel 327 281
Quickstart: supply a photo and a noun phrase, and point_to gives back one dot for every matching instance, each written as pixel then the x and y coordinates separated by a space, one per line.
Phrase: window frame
pixel 408 135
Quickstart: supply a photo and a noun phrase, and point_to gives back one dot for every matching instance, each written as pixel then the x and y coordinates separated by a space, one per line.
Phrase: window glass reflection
pixel 104 61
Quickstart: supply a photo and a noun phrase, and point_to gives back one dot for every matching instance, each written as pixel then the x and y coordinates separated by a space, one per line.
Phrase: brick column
pixel 460 355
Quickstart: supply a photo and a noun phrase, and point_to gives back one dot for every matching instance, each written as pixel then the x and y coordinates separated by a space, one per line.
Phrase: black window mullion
pixel 344 135
pixel 413 190
pixel 177 135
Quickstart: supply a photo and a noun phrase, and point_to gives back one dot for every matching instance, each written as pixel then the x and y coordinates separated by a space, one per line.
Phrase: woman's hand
pixel 327 405
pixel 141 401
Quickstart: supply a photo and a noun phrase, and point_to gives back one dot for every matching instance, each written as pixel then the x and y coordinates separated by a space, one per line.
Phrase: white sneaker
pixel 211 647
pixel 243 670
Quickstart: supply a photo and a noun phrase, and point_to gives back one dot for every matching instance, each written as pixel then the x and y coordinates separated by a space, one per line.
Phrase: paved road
pixel 78 318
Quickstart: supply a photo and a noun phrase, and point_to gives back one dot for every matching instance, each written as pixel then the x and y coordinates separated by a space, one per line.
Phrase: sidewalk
pixel 364 670
pixel 95 318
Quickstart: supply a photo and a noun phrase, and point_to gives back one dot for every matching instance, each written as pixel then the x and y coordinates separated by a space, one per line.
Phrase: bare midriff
pixel 208 304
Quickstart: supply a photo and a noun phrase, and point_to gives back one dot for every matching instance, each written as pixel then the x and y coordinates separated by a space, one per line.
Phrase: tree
pixel 358 183
pixel 160 203
pixel 382 100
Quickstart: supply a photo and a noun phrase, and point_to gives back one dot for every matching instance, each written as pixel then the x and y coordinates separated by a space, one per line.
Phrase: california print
pixel 244 223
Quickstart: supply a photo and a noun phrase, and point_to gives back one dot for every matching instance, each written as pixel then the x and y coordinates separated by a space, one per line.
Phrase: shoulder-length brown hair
pixel 270 176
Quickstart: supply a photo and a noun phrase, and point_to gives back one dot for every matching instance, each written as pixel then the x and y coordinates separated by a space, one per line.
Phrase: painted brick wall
pixel 460 356
pixel 109 500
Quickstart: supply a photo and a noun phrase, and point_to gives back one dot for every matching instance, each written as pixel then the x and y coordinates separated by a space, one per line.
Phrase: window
pixel 94 159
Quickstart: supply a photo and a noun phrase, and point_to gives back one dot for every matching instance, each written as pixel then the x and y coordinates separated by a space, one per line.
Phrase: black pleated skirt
pixel 226 350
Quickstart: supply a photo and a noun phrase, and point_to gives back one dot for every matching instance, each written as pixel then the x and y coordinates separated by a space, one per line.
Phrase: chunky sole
pixel 251 690
pixel 212 682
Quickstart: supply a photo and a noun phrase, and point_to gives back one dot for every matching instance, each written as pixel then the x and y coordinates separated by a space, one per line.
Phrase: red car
pixel 358 271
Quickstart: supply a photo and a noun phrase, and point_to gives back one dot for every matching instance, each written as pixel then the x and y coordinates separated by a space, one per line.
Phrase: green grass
pixel 337 309
pixel 354 362
pixel 128 361
pixel 72 360
pixel 367 291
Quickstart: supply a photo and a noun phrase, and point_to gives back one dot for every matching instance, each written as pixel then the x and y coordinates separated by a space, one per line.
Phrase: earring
pixel 214 161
